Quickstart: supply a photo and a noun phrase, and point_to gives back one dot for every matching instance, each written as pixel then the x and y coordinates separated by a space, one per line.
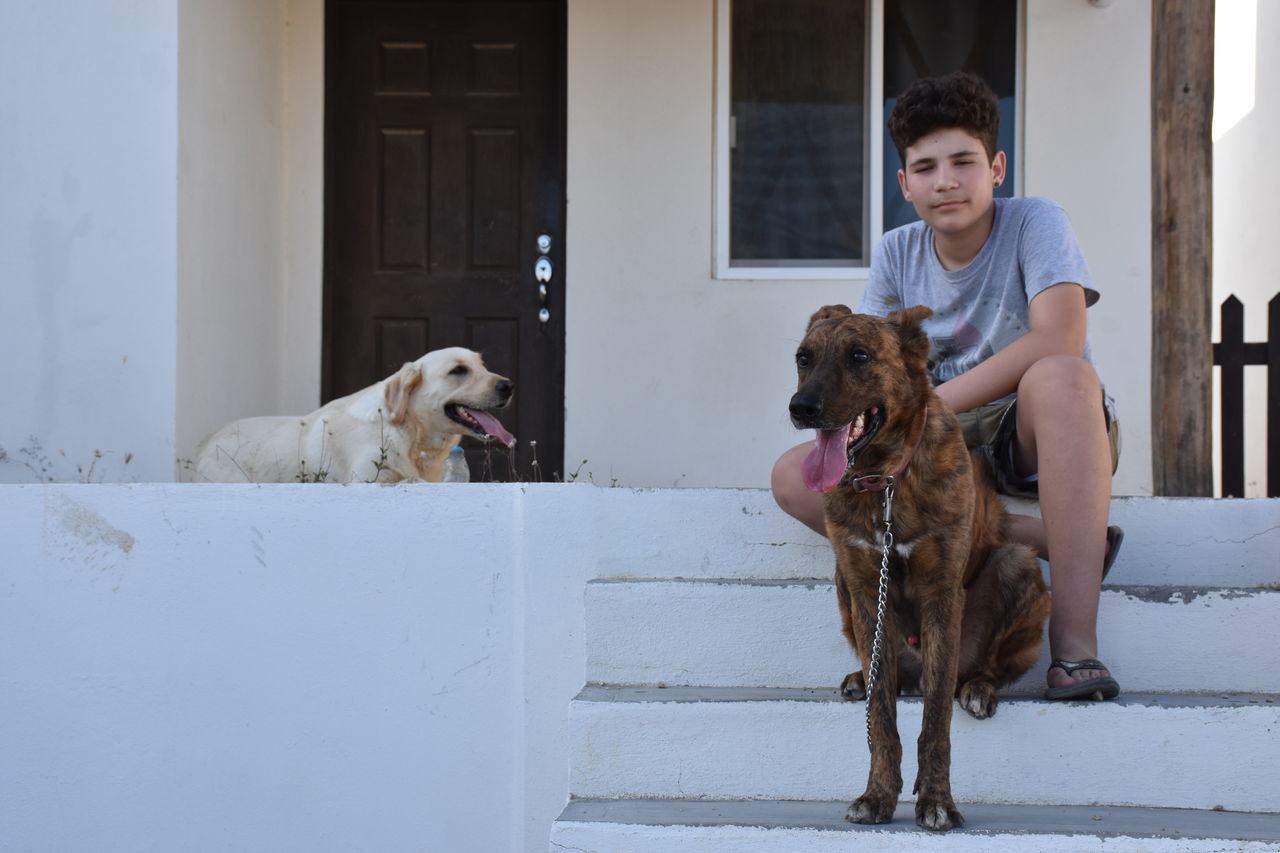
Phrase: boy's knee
pixel 782 482
pixel 787 485
pixel 1060 376
pixel 791 494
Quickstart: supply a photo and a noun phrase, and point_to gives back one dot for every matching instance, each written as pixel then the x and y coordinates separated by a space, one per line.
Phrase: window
pixel 798 120
pixel 806 177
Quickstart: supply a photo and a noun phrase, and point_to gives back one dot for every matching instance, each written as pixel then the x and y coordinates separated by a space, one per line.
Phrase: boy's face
pixel 950 181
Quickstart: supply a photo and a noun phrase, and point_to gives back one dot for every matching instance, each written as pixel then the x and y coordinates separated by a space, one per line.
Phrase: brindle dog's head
pixel 860 376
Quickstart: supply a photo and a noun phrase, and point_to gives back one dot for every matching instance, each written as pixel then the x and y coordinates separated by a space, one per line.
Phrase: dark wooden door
pixel 444 163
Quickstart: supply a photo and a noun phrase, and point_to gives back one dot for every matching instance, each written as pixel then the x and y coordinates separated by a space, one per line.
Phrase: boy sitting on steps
pixel 1008 286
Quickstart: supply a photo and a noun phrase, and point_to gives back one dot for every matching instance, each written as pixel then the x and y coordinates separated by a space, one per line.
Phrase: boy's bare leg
pixel 1029 530
pixel 792 495
pixel 1062 437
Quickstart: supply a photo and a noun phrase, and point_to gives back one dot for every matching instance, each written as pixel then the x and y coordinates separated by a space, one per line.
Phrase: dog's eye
pixel 802 359
pixel 859 356
pixel 460 370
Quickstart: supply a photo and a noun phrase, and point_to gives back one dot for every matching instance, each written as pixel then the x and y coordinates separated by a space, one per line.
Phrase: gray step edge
pixel 980 818
pixel 1157 593
pixel 641 694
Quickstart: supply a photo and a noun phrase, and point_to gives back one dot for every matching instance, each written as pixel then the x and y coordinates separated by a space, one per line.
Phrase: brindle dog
pixel 965 609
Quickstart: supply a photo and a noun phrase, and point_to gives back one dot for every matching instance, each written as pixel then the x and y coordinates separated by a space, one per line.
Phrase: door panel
pixel 444 162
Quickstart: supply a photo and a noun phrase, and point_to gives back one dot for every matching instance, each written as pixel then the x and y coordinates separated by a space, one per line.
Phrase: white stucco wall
pixel 1088 144
pixel 303 122
pixel 231 223
pixel 87 239
pixel 128 334
pixel 674 378
pixel 251 213
pixel 706 405
pixel 1245 217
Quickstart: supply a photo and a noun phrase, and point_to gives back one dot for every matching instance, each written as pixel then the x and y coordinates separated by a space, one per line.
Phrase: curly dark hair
pixel 959 99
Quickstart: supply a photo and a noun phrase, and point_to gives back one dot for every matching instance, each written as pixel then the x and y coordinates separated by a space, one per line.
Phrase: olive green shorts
pixel 991 430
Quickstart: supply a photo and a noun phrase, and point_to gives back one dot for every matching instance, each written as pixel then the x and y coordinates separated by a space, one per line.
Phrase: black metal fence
pixel 1231 354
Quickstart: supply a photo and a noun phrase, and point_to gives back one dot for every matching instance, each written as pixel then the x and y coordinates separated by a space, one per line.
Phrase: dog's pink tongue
pixel 491 426
pixel 826 463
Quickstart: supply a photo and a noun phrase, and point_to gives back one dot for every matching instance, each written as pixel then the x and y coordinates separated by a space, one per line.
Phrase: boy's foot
pixel 1081 679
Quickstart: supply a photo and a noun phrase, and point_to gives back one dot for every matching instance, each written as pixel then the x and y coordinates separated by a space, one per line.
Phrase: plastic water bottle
pixel 455 468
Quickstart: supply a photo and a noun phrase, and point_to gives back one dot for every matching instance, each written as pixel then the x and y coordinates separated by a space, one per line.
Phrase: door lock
pixel 542 271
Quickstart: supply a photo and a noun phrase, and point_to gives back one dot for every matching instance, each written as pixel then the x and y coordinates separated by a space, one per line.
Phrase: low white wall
pixel 268 668
pixel 87 239
pixel 310 668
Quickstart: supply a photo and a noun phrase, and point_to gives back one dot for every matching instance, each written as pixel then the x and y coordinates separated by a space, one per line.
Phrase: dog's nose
pixel 805 407
pixel 505 389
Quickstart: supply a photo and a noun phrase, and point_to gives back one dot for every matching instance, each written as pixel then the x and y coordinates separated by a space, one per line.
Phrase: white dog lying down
pixel 398 429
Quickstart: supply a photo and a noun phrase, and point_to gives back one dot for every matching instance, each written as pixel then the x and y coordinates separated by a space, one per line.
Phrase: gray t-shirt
pixel 984 307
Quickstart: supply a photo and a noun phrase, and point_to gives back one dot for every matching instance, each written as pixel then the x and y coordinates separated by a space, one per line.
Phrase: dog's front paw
pixel 937 813
pixel 853 687
pixel 979 698
pixel 872 808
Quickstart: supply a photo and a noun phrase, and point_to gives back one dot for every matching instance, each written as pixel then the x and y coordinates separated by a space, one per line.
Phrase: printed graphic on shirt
pixel 957 345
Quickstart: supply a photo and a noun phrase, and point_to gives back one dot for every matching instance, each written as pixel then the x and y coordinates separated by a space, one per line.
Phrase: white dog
pixel 398 429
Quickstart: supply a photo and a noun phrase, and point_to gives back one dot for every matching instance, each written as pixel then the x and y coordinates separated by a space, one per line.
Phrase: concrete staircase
pixel 710 721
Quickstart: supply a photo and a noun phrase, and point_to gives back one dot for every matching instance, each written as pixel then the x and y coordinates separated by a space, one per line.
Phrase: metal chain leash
pixel 877 640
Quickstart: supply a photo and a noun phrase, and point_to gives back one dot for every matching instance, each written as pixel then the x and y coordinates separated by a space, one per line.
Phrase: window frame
pixel 873 162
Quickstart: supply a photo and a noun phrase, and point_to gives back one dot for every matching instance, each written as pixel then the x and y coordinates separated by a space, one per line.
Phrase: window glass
pixel 798 158
pixel 924 38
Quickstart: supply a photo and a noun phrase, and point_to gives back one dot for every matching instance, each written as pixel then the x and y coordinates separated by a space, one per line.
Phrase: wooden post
pixel 1182 242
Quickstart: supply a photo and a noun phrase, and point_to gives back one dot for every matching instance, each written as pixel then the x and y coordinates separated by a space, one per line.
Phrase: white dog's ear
pixel 399 389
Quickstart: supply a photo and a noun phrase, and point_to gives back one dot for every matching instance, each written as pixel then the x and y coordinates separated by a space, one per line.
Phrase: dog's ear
pixel 826 312
pixel 911 336
pixel 399 389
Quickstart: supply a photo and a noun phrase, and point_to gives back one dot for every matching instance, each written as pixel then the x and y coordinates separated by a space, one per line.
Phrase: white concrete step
pixel 778 744
pixel 786 633
pixel 741 533
pixel 660 826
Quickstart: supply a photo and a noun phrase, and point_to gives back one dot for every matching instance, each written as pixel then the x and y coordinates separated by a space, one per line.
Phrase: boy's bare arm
pixel 1057 328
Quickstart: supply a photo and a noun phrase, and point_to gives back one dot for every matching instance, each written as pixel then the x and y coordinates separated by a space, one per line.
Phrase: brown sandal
pixel 1103 687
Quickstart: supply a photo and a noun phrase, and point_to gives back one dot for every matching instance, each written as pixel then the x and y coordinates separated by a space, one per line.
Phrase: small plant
pixel 321 473
pixel 305 476
pixel 487 474
pixel 35 460
pixel 512 473
pixel 573 478
pixel 384 448
pixel 537 472
pixel 88 476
